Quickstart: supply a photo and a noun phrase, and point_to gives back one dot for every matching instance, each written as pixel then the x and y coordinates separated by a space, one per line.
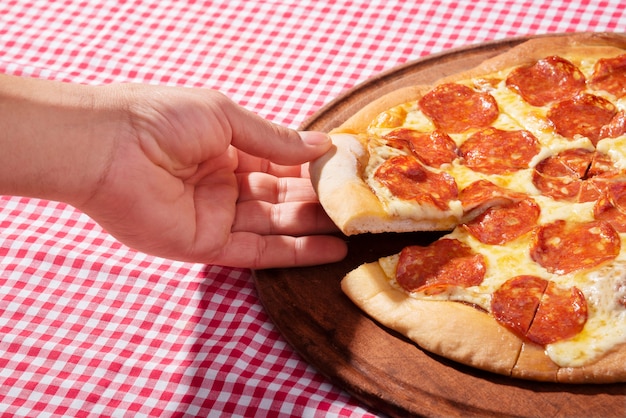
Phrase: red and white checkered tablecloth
pixel 91 328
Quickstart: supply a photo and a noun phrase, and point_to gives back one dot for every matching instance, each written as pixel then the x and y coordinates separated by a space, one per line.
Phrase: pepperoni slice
pixel 548 80
pixel 483 193
pixel 611 206
pixel 574 161
pixel 494 151
pixel 601 174
pixel 609 74
pixel 616 127
pixel 576 175
pixel 455 108
pixel 560 176
pixel 592 189
pixel 433 149
pixel 583 115
pixel 562 314
pixel 501 224
pixel 562 247
pixel 538 310
pixel 515 302
pixel 400 139
pixel 408 179
pixel 444 262
pixel 602 166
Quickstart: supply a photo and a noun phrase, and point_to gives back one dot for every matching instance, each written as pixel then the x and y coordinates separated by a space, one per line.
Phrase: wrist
pixel 53 139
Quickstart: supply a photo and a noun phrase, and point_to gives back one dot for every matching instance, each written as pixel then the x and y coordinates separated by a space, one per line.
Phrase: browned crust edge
pixel 450 329
pixel 468 336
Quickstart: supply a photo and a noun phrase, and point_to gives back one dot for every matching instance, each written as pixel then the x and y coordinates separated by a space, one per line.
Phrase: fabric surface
pixel 89 327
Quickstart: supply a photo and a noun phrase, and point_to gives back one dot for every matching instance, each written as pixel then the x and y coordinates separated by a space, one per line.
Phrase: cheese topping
pixel 603 288
pixel 606 325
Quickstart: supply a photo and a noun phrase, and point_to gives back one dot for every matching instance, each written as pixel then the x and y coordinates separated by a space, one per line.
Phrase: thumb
pixel 278 144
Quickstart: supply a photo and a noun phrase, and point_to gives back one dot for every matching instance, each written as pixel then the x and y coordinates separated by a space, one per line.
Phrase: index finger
pixel 249 163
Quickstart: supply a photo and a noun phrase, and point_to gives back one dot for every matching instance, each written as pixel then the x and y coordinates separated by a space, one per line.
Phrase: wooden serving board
pixel 376 365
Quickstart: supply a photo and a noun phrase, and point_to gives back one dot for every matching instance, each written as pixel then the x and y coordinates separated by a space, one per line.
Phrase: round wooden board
pixel 376 365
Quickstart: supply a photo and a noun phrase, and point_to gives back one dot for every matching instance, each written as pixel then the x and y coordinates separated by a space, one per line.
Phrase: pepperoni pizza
pixel 522 161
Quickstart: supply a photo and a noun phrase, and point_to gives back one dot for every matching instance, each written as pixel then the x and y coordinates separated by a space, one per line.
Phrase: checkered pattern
pixel 89 327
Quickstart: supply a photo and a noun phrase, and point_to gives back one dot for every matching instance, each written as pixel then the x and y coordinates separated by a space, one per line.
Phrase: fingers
pixel 259 137
pixel 277 224
pixel 271 205
pixel 278 218
pixel 260 252
pixel 250 163
pixel 292 218
pixel 265 187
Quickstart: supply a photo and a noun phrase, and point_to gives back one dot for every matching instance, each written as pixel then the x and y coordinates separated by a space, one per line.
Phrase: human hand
pixel 192 176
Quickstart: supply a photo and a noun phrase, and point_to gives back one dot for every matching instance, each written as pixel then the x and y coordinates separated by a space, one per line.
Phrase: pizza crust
pixel 611 368
pixel 467 335
pixel 534 364
pixel 453 330
pixel 340 187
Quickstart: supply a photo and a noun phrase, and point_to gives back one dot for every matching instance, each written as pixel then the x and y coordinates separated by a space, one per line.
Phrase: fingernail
pixel 314 137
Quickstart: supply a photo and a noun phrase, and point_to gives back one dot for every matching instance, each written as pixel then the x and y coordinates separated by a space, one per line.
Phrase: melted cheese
pixel 606 324
pixel 405 209
pixel 534 120
pixel 616 149
pixel 416 119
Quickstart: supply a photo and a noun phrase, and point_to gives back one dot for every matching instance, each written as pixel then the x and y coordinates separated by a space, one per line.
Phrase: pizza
pixel 521 164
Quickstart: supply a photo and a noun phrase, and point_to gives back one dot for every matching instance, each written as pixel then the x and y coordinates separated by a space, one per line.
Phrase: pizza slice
pixel 400 163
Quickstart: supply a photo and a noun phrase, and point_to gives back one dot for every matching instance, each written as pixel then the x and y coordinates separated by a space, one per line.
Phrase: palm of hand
pixel 177 188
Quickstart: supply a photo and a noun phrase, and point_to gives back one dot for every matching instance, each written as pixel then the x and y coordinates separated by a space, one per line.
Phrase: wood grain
pixel 376 365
